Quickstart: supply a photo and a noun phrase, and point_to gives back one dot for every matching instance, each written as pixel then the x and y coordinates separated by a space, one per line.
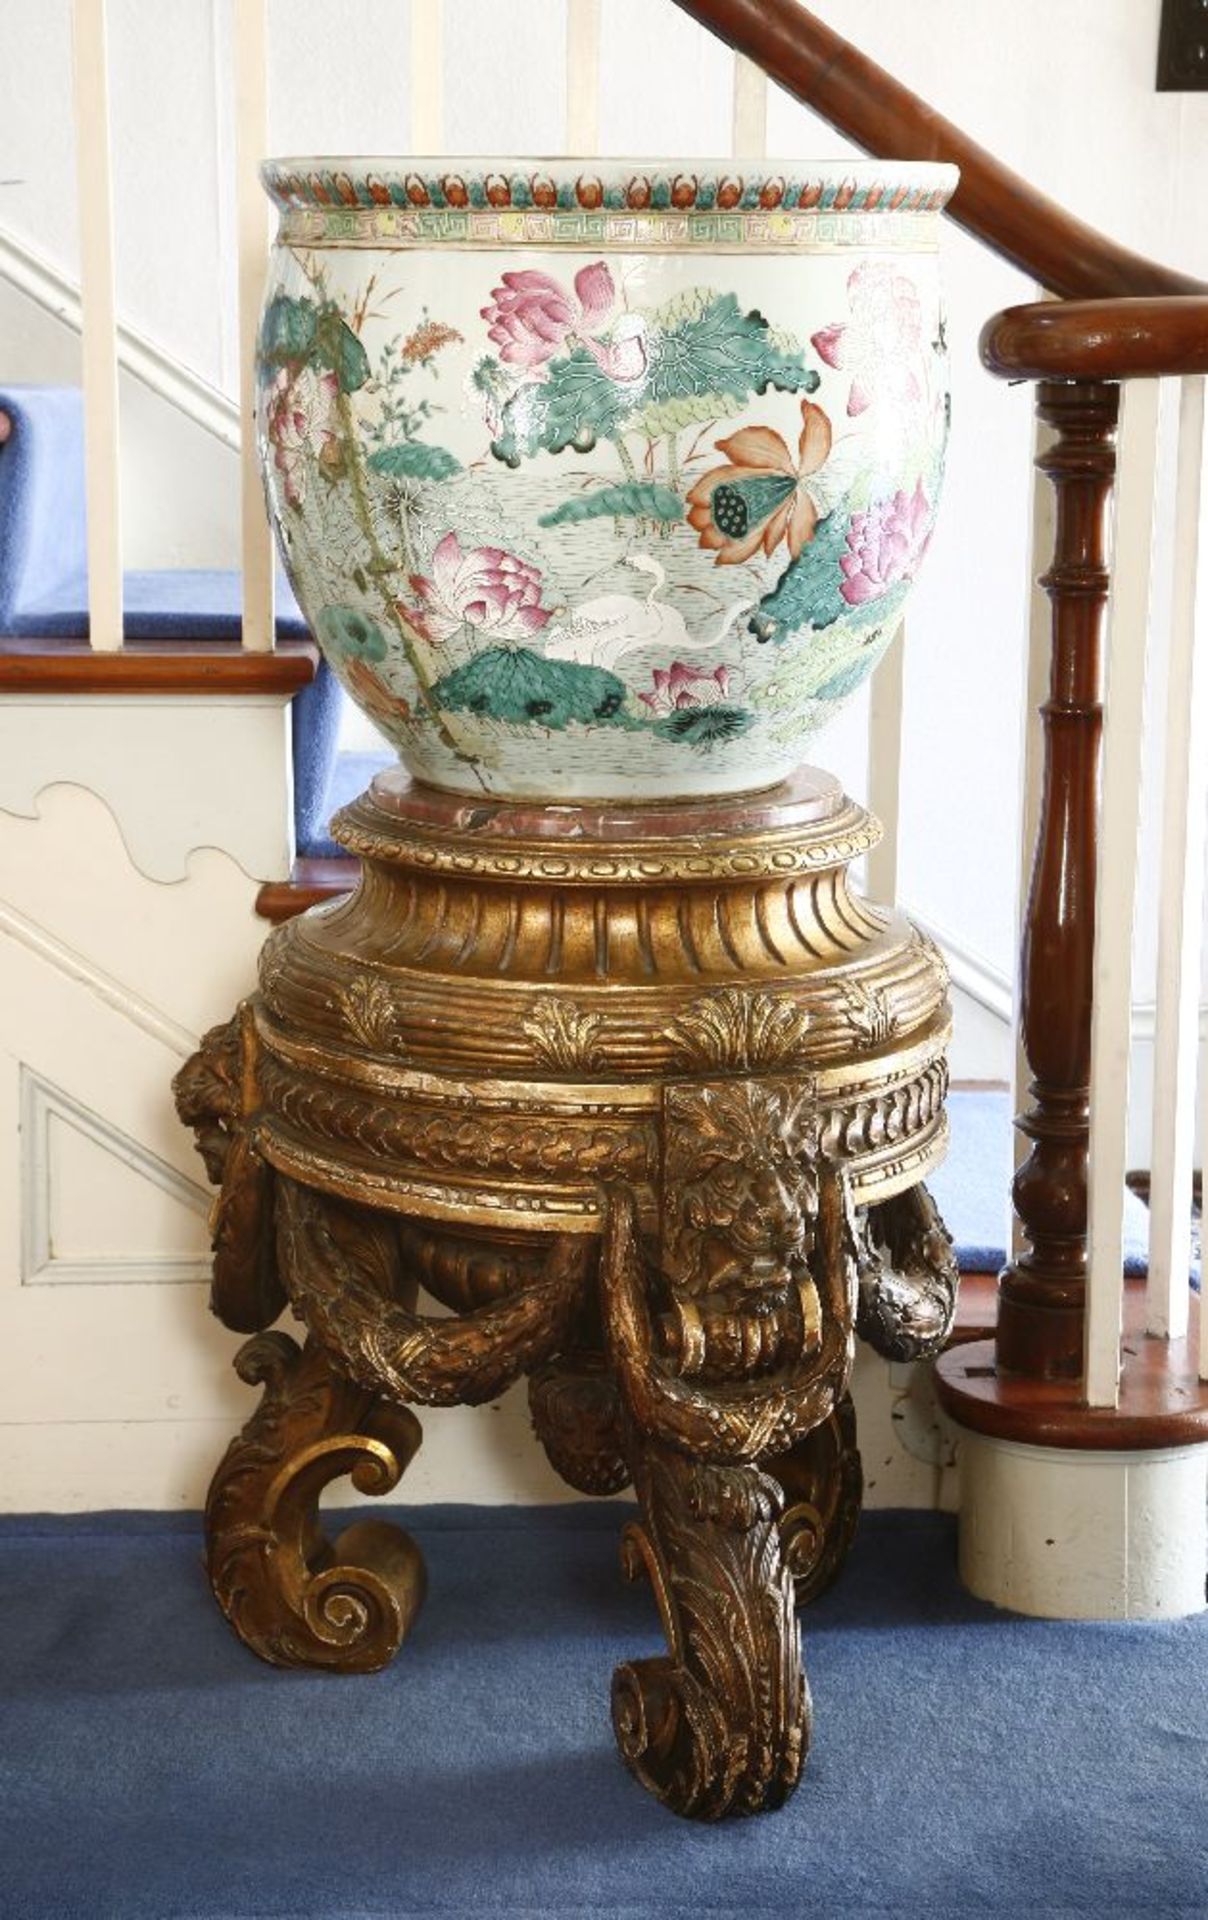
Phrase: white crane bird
pixel 602 631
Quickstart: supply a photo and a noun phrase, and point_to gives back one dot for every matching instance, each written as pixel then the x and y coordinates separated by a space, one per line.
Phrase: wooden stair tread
pixel 1163 1403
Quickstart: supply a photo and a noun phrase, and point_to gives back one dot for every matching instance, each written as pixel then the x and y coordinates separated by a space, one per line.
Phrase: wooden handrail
pixel 993 203
pixel 1098 340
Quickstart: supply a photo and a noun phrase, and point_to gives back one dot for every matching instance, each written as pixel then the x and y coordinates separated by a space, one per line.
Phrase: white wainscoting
pixel 177 773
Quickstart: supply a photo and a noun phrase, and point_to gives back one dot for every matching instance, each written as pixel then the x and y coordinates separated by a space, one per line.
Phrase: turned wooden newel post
pixel 1042 1292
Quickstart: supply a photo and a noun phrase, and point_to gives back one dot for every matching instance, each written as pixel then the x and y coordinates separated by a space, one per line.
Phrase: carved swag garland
pixel 708 1365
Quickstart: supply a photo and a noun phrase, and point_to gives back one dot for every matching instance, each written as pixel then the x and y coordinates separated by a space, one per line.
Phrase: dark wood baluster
pixel 1042 1293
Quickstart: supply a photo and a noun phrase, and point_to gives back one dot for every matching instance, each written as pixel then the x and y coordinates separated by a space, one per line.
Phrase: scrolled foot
pixel 720 1726
pixel 294 1597
pixel 823 1484
pixel 908 1278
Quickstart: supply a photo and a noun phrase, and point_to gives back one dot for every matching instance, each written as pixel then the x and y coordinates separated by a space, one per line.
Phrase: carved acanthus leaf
pixel 927 945
pixel 872 1020
pixel 564 1036
pixel 719 1725
pixel 274 966
pixel 370 1014
pixel 742 1031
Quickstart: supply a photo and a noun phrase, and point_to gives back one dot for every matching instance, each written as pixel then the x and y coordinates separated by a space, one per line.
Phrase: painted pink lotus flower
pixel 531 314
pixel 678 687
pixel 879 345
pixel 484 587
pixel 302 419
pixel 884 545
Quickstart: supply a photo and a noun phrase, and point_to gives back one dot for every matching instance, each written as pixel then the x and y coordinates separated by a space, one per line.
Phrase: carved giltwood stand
pixel 646 1098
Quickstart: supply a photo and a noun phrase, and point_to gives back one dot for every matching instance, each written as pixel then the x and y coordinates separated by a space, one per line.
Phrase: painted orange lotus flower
pixel 761 496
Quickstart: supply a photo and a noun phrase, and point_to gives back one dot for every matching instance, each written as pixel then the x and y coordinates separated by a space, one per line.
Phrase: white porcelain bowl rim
pixel 832 170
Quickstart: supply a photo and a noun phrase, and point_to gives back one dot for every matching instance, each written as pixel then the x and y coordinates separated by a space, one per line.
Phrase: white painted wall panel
pixel 665 87
pixel 170 248
pixel 509 96
pixel 338 76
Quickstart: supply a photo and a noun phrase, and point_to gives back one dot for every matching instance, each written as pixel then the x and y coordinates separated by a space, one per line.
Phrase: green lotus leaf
pixel 689 410
pixel 351 634
pixel 641 499
pixel 721 349
pixel 517 685
pixel 337 347
pixel 848 678
pixel 287 331
pixel 574 406
pixel 807 593
pixel 411 460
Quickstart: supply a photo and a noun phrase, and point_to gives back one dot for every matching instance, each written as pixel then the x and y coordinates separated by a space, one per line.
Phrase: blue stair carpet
pixel 965 1762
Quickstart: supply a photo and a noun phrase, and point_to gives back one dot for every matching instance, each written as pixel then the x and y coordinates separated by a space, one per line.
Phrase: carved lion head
pixel 741 1189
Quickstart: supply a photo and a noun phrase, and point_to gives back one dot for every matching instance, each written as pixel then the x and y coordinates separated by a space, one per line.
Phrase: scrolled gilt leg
pixel 908 1278
pixel 720 1725
pixel 823 1485
pixel 294 1597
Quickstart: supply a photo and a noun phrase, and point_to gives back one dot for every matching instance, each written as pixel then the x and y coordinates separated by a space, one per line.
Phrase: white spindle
pixel 885 714
pixel 750 135
pixel 582 76
pixel 1116 888
pixel 427 77
pixel 1041 544
pixel 252 214
pixel 1181 890
pixel 98 353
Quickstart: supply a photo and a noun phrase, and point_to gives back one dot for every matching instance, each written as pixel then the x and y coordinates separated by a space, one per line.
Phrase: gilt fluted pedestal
pixel 646 1098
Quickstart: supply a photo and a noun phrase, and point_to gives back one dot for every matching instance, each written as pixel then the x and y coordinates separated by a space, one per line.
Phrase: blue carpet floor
pixel 965 1762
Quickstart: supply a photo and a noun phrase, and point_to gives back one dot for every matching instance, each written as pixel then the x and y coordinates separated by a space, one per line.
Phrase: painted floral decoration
pixel 531 314
pixel 494 592
pixel 884 545
pixel 382 476
pixel 762 495
pixel 301 419
pixel 678 686
pixel 879 345
pixel 361 646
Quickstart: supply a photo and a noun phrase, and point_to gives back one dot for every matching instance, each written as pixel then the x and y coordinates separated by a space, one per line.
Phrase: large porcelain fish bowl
pixel 602 480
